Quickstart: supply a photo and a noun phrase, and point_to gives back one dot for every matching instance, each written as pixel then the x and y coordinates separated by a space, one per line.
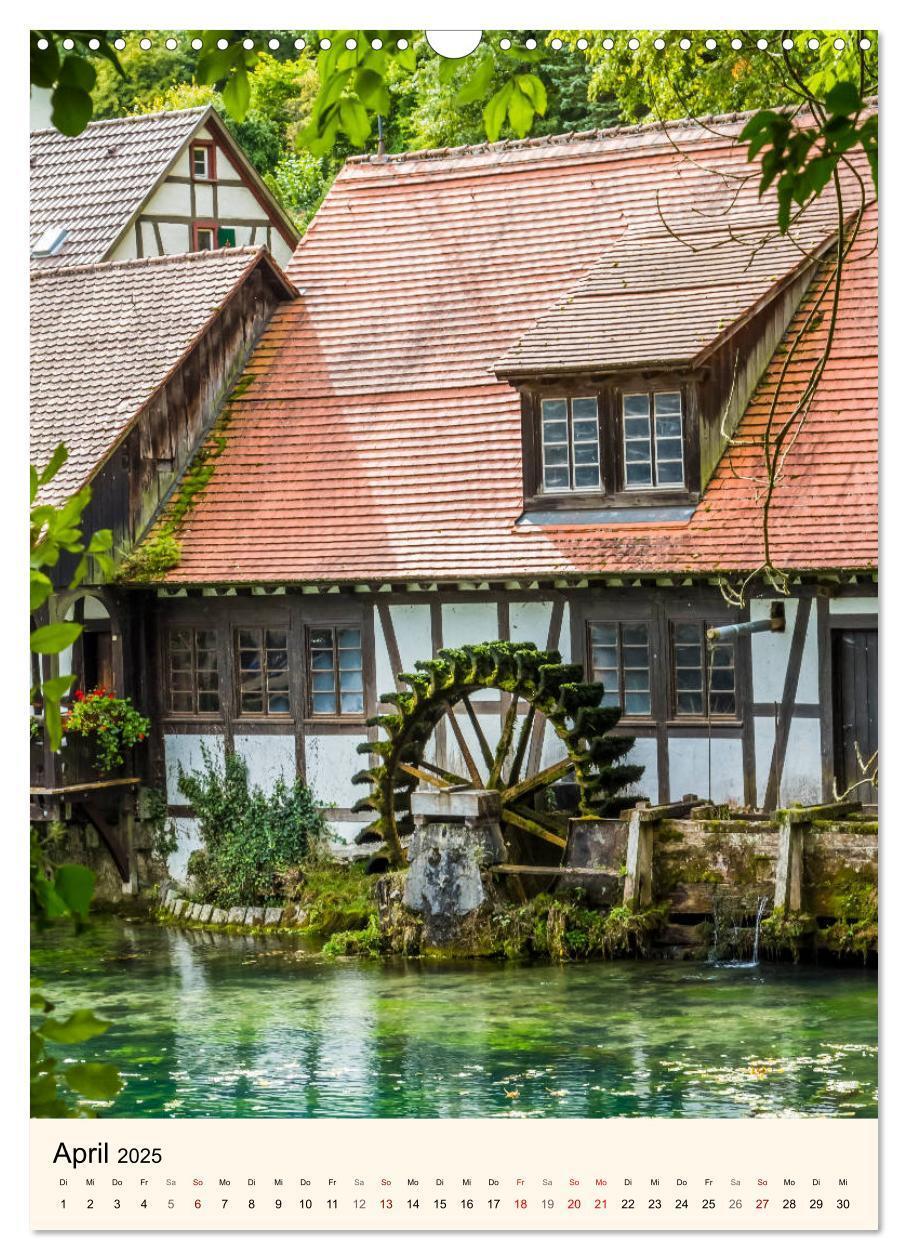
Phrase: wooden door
pixel 855 707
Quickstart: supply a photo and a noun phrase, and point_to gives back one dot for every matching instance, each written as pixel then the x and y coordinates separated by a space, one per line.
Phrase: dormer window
pixel 626 442
pixel 653 440
pixel 570 444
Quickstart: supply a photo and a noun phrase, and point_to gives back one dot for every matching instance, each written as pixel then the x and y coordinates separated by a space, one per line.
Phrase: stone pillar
pixel 457 835
pixel 789 865
pixel 638 883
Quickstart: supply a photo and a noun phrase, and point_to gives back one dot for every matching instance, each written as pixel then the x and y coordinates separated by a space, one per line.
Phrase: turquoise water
pixel 245 1026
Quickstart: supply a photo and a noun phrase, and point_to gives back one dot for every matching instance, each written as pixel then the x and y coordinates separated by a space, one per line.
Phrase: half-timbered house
pixel 522 393
pixel 173 182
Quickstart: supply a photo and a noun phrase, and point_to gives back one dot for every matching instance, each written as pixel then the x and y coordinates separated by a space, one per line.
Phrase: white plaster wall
pixel 470 623
pixel 236 201
pixel 279 247
pixel 175 237
pixel 413 631
pixel 645 752
pixel 170 199
pixel 769 652
pixel 268 757
pixel 331 762
pixel 802 774
pixel 345 832
pixel 529 622
pixel 860 605
pixel 689 769
pixel 187 835
pixel 126 247
pixel 181 165
pixel 204 201
pixel 186 751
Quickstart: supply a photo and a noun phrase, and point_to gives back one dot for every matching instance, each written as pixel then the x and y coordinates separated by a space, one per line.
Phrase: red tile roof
pixel 376 441
pixel 105 337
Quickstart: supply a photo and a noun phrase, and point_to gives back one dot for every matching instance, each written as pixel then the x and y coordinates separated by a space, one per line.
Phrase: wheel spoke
pixel 504 744
pixel 540 780
pixel 534 828
pixel 480 734
pixel 522 740
pixel 464 748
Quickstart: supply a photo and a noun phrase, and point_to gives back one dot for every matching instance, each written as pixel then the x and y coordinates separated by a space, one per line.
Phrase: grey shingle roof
pixel 93 183
pixel 104 337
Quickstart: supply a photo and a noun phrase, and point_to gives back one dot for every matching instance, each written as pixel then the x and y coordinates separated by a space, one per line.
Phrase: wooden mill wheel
pixel 551 690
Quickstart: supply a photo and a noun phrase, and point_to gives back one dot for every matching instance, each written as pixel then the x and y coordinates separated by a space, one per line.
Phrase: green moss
pixel 335 898
pixel 787 935
pixel 364 942
pixel 160 550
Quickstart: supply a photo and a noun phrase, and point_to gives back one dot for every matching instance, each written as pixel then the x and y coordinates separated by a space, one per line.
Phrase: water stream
pixel 257 1026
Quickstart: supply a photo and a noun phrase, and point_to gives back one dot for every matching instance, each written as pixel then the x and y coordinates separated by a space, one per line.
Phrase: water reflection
pixel 245 1026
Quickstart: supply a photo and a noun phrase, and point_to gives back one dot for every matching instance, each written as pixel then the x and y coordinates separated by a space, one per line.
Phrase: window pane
pixel 556 455
pixel 279 703
pixel 276 658
pixel 208 703
pixel 251 702
pixel 587 478
pixel 636 405
pixel 667 404
pixel 349 637
pixel 248 638
pixel 669 474
pixel 584 430
pixel 602 632
pixel 181 701
pixel 250 661
pixel 351 680
pixel 351 702
pixel 323 660
pixel 688 679
pixel 636 451
pixel 556 478
pixel 638 475
pixel 636 702
pixel 554 431
pixel 584 408
pixel 323 682
pixel 605 657
pixel 180 661
pixel 689 702
pixel 635 656
pixel 279 681
pixel 668 426
pixel 180 640
pixel 688 632
pixel 669 448
pixel 587 453
pixel 636 679
pixel 323 703
pixel 636 427
pixel 554 409
pixel 722 703
pixel 321 638
pixel 276 639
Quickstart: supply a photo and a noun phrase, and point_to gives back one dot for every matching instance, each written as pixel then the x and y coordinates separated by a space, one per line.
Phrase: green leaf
pixel 477 85
pixel 75 886
pixel 81 1025
pixel 533 88
pixel 99 1082
pixel 45 62
pixel 496 110
pixel 369 86
pixel 40 589
pixel 520 112
pixel 77 72
pixel 54 689
pixel 49 640
pixel 448 67
pixel 355 121
pixel 844 98
pixel 214 65
pixel 71 110
pixel 235 94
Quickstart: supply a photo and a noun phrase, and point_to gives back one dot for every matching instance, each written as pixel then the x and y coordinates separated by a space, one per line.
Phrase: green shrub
pixel 249 839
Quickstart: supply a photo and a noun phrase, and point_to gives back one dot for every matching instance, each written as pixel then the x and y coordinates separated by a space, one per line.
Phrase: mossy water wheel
pixel 548 687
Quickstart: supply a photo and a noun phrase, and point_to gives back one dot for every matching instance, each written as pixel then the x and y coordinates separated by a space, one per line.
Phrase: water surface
pixel 257 1026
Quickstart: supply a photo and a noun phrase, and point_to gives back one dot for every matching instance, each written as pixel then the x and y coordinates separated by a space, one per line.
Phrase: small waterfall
pixel 761 907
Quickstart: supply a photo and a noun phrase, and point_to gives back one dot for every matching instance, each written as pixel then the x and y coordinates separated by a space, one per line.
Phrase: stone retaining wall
pixel 290 918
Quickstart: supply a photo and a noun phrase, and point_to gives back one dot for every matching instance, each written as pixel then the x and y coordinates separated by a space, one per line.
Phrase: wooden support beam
pixel 638 883
pixel 480 733
pixel 75 788
pixel 424 776
pixel 464 749
pixel 534 828
pixel 551 775
pixel 789 865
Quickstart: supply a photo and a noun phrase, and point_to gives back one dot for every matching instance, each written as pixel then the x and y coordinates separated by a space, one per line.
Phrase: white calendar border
pixel 12 512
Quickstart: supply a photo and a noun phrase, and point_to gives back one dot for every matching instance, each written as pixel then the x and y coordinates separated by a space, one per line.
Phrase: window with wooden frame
pixel 653 436
pixel 570 444
pixel 335 660
pixel 701 674
pixel 619 658
pixel 263 671
pixel 202 160
pixel 204 236
pixel 192 671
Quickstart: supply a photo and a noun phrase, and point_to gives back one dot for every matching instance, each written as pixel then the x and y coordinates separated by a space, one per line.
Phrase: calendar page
pixel 454 629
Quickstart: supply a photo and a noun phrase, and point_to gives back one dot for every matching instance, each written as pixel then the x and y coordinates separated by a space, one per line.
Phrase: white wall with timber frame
pixel 775 751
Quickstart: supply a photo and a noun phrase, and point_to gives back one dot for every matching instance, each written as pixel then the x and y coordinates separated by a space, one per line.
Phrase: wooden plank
pixel 507 735
pixel 789 691
pixel 114 845
pixel 526 824
pixel 509 868
pixel 540 780
pixel 480 734
pixel 391 645
pixel 82 787
pixel 424 776
pixel 464 748
pixel 534 760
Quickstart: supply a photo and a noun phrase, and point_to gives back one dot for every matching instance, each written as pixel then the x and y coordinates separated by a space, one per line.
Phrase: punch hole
pixel 453 44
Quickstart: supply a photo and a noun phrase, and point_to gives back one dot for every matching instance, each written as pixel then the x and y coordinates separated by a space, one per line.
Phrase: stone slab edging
pixel 289 918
